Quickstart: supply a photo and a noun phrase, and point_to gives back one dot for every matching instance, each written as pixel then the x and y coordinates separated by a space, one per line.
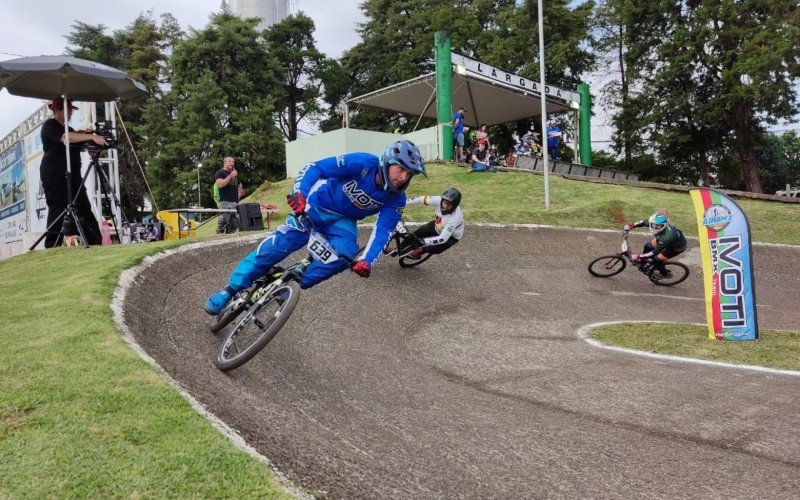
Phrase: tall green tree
pixel 291 41
pixel 753 46
pixel 336 84
pixel 708 77
pixel 141 49
pixel 622 59
pixel 224 87
pixel 779 158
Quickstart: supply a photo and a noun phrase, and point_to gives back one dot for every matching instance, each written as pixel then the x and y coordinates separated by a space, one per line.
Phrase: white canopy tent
pixel 488 101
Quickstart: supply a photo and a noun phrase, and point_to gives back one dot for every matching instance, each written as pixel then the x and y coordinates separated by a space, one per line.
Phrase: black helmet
pixel 452 195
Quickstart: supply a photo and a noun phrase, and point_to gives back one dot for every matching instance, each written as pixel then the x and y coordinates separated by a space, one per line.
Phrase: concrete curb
pixel 584 332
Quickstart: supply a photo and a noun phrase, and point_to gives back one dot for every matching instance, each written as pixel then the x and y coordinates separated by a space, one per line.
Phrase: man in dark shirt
pixel 53 173
pixel 227 179
pixel 480 160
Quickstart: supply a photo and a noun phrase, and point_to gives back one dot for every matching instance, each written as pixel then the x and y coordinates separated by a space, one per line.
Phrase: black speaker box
pixel 250 218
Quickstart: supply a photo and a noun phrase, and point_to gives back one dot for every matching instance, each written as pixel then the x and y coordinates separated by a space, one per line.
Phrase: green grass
pixel 80 414
pixel 773 349
pixel 519 198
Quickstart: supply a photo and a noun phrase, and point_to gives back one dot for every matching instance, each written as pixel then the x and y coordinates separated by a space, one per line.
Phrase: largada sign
pixel 725 247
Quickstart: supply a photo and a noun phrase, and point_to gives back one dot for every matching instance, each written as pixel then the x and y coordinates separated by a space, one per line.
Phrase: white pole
pixel 544 108
pixel 198 185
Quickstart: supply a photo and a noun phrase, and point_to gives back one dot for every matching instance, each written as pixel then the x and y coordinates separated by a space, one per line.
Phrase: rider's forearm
pixel 384 227
pixel 436 240
pixel 446 234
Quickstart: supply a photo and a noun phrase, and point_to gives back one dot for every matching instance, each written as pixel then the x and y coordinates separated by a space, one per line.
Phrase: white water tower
pixel 269 11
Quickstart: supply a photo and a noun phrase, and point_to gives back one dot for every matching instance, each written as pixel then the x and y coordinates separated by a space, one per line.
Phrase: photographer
pixel 53 172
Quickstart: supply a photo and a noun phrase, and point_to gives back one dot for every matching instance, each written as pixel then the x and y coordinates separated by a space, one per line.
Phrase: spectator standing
pixel 553 139
pixel 458 132
pixel 227 180
pixel 483 136
pixel 480 160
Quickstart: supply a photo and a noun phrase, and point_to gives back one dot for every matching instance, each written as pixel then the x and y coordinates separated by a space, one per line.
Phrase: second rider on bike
pixel 446 229
pixel 352 186
pixel 668 242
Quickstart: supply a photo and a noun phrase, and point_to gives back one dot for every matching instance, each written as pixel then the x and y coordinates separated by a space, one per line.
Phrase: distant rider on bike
pixel 334 193
pixel 668 242
pixel 446 229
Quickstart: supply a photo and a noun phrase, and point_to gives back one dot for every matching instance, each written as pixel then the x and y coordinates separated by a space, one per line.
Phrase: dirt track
pixel 465 378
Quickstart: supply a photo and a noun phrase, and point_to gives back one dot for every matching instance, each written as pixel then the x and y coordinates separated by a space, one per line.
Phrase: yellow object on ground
pixel 171 220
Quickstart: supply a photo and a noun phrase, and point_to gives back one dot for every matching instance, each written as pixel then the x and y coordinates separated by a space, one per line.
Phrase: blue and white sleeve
pixel 385 224
pixel 326 168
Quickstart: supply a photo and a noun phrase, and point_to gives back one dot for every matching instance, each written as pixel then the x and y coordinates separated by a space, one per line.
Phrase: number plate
pixel 319 247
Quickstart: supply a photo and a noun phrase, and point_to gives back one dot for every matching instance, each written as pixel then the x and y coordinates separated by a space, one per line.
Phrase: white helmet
pixel 658 222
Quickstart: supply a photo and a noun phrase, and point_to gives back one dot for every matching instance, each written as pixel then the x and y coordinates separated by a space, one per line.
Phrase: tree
pixel 336 83
pixel 718 70
pixel 754 48
pixel 779 159
pixel 291 41
pixel 141 49
pixel 222 99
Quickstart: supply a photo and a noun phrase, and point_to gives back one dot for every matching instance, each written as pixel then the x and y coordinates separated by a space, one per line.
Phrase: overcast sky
pixel 38 27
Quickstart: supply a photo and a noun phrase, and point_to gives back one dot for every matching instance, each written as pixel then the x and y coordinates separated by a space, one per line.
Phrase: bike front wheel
pixel 258 326
pixel 607 266
pixel 676 273
pixel 406 261
pixel 231 311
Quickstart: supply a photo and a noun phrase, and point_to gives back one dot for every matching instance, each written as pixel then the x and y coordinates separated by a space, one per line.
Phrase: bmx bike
pixel 266 304
pixel 611 265
pixel 401 243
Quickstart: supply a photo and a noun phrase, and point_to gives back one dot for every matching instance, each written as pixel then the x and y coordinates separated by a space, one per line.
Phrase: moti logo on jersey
pixel 359 198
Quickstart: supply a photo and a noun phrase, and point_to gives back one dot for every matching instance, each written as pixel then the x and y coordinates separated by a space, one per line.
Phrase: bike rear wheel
pixel 258 326
pixel 607 266
pixel 676 273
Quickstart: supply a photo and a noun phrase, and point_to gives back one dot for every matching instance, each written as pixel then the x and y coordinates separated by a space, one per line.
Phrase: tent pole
pixel 425 109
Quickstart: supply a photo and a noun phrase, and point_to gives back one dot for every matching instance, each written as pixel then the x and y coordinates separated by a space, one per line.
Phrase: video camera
pixel 105 130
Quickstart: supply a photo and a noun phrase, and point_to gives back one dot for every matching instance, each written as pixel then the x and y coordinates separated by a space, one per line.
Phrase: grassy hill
pixel 519 198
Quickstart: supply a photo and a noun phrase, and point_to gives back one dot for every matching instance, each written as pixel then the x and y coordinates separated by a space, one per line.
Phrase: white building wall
pixel 350 140
pixel 269 11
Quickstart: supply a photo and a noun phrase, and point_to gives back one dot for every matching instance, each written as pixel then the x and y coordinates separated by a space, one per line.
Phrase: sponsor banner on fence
pixel 12 200
pixel 37 205
pixel 725 246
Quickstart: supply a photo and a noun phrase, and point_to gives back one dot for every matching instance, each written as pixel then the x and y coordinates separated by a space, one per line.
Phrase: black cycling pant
pixel 667 252
pixel 428 230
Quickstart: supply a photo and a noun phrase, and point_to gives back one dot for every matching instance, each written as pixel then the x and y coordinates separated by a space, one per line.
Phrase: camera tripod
pixel 70 222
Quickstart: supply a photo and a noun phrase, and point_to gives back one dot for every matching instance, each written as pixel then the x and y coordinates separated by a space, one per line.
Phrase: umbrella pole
pixel 68 213
pixel 70 210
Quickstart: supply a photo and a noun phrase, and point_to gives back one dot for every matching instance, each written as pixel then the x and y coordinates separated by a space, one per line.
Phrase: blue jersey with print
pixel 349 190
